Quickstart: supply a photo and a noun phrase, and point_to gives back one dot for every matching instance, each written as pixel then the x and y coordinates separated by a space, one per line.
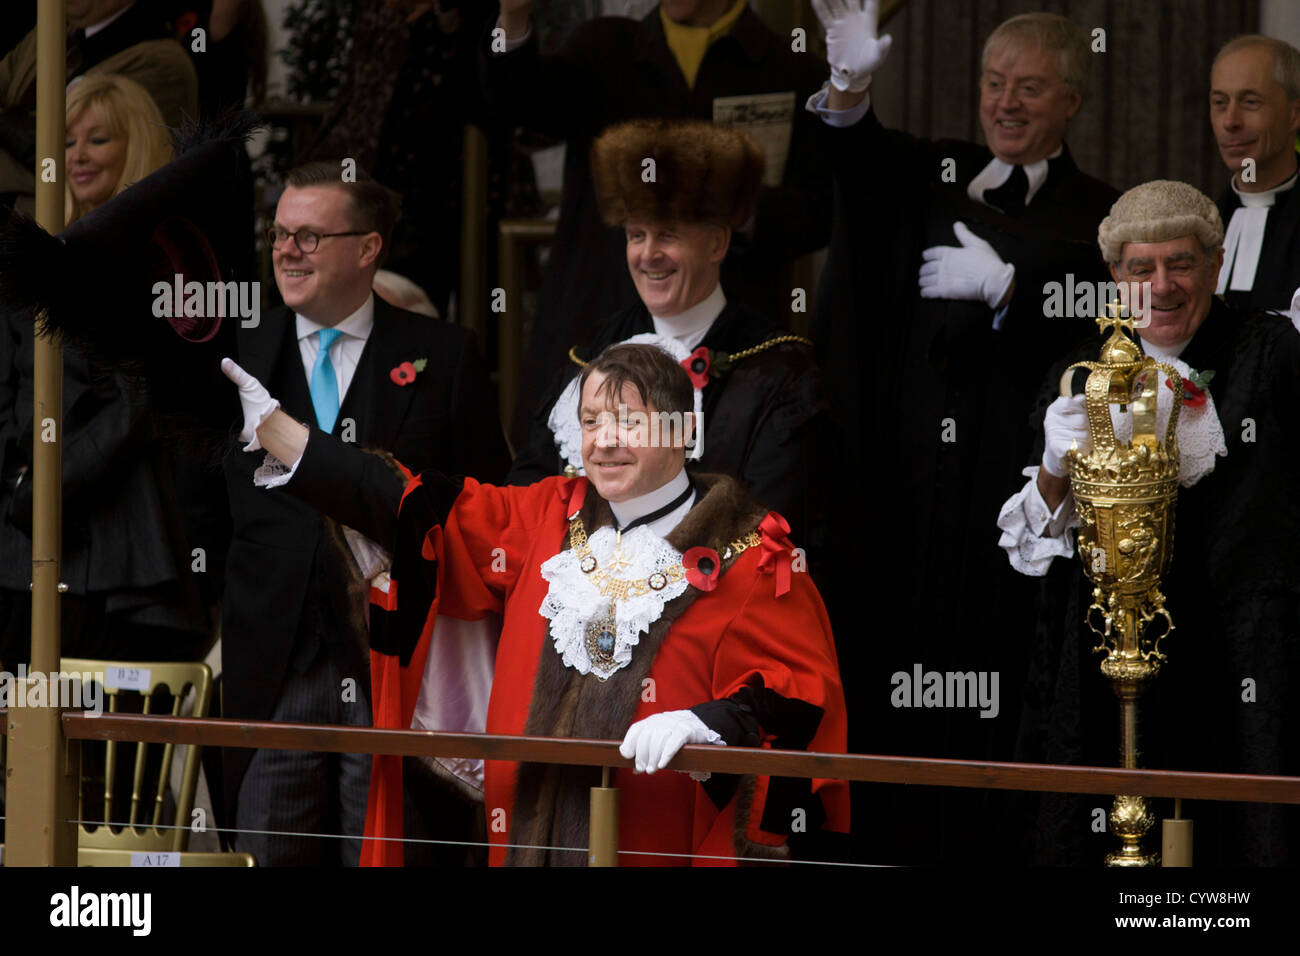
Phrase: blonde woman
pixel 115 137
pixel 130 595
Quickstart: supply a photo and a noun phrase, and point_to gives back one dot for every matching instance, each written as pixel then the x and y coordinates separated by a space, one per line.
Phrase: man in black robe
pixel 766 415
pixel 1255 112
pixel 936 317
pixel 1223 700
pixel 706 59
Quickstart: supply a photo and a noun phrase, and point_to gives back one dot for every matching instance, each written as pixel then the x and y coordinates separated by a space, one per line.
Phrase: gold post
pixel 603 850
pixel 43 782
pixel 1176 838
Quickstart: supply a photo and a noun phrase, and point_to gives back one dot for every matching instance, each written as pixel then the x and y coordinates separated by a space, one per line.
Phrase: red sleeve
pixel 458 551
pixel 782 647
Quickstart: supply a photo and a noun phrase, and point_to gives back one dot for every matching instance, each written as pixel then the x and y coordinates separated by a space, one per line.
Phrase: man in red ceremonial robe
pixel 640 602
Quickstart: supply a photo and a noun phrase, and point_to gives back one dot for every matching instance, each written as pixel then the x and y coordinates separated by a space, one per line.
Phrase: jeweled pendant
pixel 601 639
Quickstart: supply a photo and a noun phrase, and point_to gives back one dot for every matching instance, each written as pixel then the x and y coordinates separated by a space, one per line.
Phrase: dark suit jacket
pixel 445 419
pixel 615 69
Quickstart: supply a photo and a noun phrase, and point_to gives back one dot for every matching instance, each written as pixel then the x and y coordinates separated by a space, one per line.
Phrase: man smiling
pixel 1255 112
pixel 641 603
pixel 935 283
pixel 1222 702
pixel 293 627
pixel 763 413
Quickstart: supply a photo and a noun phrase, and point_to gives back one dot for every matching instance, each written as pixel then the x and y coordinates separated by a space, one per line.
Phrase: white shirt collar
pixel 691 326
pixel 358 324
pixel 998 172
pixel 1266 197
pixel 96 27
pixel 1163 353
pixel 1243 239
pixel 628 511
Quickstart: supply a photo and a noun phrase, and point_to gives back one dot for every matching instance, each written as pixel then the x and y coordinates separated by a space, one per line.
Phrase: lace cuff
pixel 1032 534
pixel 272 472
pixel 711 736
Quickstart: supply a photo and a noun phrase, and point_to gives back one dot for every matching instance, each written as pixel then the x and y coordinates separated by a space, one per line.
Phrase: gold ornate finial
pixel 1118 318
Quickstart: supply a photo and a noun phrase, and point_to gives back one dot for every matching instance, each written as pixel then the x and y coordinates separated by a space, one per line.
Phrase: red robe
pixel 706 646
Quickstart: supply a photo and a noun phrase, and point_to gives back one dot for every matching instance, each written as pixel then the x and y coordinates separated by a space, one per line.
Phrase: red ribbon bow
pixel 778 557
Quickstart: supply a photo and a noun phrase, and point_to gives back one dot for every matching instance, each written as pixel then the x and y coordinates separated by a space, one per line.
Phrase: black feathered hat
pixel 100 283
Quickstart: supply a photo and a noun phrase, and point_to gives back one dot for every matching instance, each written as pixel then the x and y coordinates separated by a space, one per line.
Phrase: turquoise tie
pixel 324 384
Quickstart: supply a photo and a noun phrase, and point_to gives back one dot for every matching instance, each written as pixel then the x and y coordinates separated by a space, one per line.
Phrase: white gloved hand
pixel 256 400
pixel 1064 425
pixel 972 271
pixel 654 742
pixel 853 49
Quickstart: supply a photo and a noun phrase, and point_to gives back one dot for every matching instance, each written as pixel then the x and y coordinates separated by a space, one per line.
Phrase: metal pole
pixel 603 850
pixel 43 782
pixel 1176 838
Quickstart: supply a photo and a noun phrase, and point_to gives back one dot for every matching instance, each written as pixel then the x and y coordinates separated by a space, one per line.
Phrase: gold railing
pixel 916 771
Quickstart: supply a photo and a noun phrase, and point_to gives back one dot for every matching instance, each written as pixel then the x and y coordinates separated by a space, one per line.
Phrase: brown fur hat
pixel 702 172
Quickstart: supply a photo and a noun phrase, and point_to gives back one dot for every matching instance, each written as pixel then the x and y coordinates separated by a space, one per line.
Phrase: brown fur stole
pixel 551 801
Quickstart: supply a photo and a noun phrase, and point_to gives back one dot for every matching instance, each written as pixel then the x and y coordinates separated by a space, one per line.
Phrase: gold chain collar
pixel 730 359
pixel 620 589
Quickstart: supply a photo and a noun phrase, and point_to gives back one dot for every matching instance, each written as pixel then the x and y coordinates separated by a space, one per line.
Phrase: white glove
pixel 972 271
pixel 257 401
pixel 1065 425
pixel 654 742
pixel 852 48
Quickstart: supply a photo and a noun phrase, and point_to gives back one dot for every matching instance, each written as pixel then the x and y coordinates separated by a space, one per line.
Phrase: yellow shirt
pixel 689 44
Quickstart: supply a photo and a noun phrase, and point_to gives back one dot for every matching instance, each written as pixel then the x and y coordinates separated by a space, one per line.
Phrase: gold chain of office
pixel 621 588
pixel 760 347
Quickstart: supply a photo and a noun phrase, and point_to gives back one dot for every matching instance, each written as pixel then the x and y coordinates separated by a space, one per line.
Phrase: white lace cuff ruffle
pixel 1032 534
pixel 272 472
pixel 1200 436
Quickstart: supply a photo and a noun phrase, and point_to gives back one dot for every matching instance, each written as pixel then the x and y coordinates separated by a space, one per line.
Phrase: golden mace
pixel 1125 493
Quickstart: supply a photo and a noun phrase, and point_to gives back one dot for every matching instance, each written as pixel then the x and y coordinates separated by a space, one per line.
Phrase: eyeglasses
pixel 305 239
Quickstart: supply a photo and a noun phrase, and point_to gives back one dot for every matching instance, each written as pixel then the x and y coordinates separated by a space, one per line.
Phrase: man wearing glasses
pixel 941 265
pixel 343 361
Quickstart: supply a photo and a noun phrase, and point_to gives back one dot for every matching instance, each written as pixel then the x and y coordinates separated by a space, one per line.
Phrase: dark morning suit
pixel 290 633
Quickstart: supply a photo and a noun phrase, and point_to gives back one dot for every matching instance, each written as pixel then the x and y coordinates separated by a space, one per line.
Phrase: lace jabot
pixel 581 615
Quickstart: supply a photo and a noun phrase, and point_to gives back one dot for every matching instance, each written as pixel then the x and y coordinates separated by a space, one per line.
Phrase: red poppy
pixel 702 568
pixel 404 374
pixel 1193 397
pixel 697 367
